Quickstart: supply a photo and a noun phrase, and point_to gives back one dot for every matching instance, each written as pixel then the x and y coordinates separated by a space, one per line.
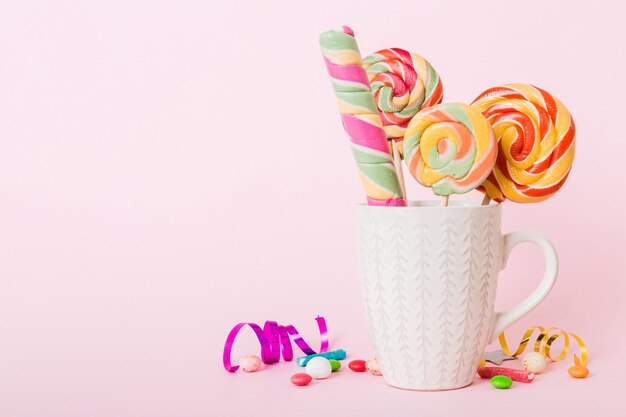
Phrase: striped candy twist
pixel 360 117
pixel 536 135
pixel 403 83
pixel 450 147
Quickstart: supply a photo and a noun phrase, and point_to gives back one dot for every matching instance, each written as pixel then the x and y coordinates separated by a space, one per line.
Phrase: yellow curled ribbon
pixel 544 342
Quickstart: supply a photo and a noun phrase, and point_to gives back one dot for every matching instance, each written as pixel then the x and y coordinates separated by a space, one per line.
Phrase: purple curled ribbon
pixel 271 337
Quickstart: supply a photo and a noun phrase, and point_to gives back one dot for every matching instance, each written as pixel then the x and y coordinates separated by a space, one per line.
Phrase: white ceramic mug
pixel 429 276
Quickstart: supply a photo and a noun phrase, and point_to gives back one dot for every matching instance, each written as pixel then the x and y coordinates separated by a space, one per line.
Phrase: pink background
pixel 168 169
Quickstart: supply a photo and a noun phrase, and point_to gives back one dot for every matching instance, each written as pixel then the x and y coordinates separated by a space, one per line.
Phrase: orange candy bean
pixel 578 371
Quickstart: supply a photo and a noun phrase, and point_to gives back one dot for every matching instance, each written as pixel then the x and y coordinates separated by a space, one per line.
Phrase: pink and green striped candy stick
pixel 360 118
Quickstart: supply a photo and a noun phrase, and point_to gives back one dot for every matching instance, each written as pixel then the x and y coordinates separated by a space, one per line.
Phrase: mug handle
pixel 504 319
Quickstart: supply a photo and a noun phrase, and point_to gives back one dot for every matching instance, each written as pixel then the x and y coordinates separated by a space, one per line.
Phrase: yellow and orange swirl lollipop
pixel 450 147
pixel 536 136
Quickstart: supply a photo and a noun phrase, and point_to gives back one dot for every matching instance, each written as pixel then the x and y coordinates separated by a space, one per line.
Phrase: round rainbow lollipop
pixel 403 83
pixel 450 147
pixel 536 136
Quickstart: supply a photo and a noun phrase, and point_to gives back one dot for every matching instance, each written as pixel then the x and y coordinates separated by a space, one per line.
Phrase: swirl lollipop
pixel 536 135
pixel 403 83
pixel 450 147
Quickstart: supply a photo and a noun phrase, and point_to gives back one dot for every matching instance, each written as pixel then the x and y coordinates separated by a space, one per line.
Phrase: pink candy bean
pixel 373 367
pixel 250 363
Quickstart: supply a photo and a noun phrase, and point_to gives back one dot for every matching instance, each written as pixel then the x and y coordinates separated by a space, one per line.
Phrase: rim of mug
pixel 436 204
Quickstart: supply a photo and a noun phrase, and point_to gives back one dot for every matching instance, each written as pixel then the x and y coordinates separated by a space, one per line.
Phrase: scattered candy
pixel 544 342
pixel 534 362
pixel 497 357
pixel 319 368
pixel 338 354
pixel 373 367
pixel 518 375
pixel 301 379
pixel 334 364
pixel 274 339
pixel 482 363
pixel 501 382
pixel 357 365
pixel 536 141
pixel 250 363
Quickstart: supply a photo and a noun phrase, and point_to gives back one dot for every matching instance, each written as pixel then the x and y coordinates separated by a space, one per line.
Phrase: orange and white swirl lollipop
pixel 536 136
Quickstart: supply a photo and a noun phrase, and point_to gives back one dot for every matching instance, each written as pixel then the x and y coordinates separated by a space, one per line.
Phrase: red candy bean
pixel 301 379
pixel 357 365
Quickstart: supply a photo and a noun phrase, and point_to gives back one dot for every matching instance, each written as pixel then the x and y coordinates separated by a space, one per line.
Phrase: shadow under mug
pixel 429 277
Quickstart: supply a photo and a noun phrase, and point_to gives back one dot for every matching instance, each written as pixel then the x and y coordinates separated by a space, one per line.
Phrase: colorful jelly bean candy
pixel 301 379
pixel 357 365
pixel 501 382
pixel 319 368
